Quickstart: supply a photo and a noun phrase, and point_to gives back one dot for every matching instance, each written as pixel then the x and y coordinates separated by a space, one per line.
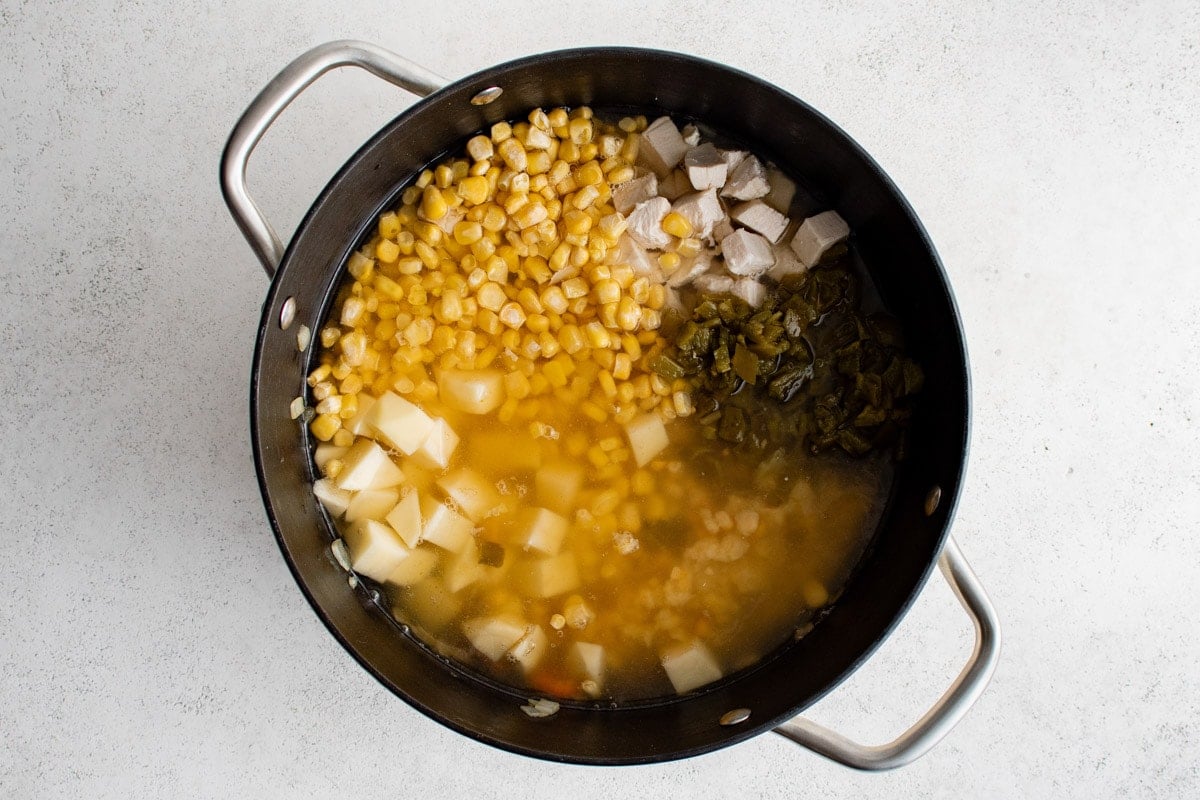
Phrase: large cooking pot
pixel 912 536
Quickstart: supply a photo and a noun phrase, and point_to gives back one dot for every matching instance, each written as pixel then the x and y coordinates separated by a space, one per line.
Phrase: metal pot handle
pixel 949 709
pixel 273 99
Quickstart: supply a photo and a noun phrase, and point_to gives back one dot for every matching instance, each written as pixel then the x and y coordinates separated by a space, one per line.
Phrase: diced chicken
pixel 335 500
pixel 405 518
pixel 647 437
pixel 494 636
pixel 747 254
pixel 721 230
pixel 662 146
pixel 817 234
pixel 690 667
pixel 706 167
pixel 711 283
pixel 702 209
pixel 645 223
pixel 371 504
pixel 786 263
pixel 748 181
pixel 674 185
pixel 635 256
pixel 783 189
pixel 690 269
pixel 760 218
pixel 750 290
pixel 733 159
pixel 691 135
pixel 627 195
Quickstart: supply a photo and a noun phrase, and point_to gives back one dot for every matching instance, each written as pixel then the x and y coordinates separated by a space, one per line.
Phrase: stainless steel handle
pixel 949 709
pixel 273 99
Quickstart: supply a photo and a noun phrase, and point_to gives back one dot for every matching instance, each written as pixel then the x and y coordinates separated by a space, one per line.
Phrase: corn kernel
pixel 595 455
pixel 433 204
pixel 514 155
pixel 677 225
pixel 597 335
pixel 607 384
pixel 571 339
pixel 480 147
pixel 589 174
pixel 607 290
pixel 516 385
pixel 387 251
pixel 575 288
pixel 683 403
pixel 622 366
pixel 512 315
pixel 324 426
pixel 466 233
pixel 529 215
pixel 669 262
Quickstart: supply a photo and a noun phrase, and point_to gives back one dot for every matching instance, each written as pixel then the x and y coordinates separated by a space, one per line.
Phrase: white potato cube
pixel 748 181
pixel 817 234
pixel 557 485
pixel 405 518
pixel 326 452
pixel 783 189
pixel 690 667
pixel 430 605
pixel 398 423
pixel 702 209
pixel 529 650
pixel 358 423
pixel 435 452
pixel 475 391
pixel 494 636
pixel 706 167
pixel 548 577
pixel 470 492
pixel 627 195
pixel 415 567
pixel 747 254
pixel 463 569
pixel 371 504
pixel 645 223
pixel 750 290
pixel 445 527
pixel 786 263
pixel 760 218
pixel 335 500
pixel 647 437
pixel 588 658
pixel 375 549
pixel 662 146
pixel 366 466
pixel 540 529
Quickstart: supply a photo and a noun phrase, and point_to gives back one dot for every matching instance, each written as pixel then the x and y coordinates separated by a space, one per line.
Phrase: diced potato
pixel 467 488
pixel 494 636
pixel 431 605
pixel 690 667
pixel 577 612
pixel 358 423
pixel 325 452
pixel 647 437
pixel 415 567
pixel 371 504
pixel 445 527
pixel 547 577
pixel 398 423
pixel 492 452
pixel 463 568
pixel 405 518
pixel 558 484
pixel 335 500
pixel 473 391
pixel 539 529
pixel 375 549
pixel 366 466
pixel 438 447
pixel 530 649
pixel 589 659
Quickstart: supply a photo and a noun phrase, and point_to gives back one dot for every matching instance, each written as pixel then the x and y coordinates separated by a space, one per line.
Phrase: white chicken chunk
pixel 760 218
pixel 712 283
pixel 786 263
pixel 702 209
pixel 783 189
pixel 662 146
pixel 635 256
pixel 690 269
pixel 691 135
pixel 706 168
pixel 817 234
pixel 645 223
pixel 747 254
pixel 627 195
pixel 674 185
pixel 748 181
pixel 733 159
pixel 750 290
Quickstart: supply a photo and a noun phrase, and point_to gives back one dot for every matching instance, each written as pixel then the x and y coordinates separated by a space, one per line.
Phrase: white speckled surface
pixel 152 642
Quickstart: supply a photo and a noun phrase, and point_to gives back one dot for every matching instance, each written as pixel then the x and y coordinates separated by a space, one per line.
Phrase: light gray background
pixel 152 642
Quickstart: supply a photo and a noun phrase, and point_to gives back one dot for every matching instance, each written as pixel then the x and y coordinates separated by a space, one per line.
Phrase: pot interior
pixel 889 240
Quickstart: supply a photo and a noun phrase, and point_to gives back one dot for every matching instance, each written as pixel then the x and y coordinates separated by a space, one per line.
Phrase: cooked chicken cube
pixel 786 263
pixel 645 223
pixel 747 254
pixel 733 159
pixel 748 181
pixel 674 185
pixel 783 189
pixel 712 283
pixel 817 234
pixel 706 168
pixel 702 209
pixel 627 195
pixel 691 135
pixel 760 218
pixel 750 290
pixel 662 146
pixel 690 269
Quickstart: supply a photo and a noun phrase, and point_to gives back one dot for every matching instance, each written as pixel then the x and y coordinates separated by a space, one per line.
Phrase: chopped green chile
pixel 807 366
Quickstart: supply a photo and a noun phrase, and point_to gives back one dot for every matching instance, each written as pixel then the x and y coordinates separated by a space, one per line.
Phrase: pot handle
pixel 273 99
pixel 949 709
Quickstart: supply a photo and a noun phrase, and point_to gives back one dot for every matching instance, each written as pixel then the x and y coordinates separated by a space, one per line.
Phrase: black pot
pixel 891 241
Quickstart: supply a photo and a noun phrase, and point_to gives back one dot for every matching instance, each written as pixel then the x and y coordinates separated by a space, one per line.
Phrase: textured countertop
pixel 152 641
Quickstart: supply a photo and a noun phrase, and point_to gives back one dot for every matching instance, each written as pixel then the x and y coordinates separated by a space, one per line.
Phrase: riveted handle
pixel 946 712
pixel 272 100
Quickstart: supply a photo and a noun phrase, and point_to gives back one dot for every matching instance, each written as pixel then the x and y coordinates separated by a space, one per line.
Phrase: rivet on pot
pixel 486 96
pixel 287 313
pixel 932 500
pixel 735 716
